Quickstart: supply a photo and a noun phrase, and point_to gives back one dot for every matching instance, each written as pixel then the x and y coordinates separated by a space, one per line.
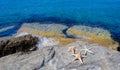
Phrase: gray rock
pixel 31 61
pixel 58 58
pixel 93 34
pixel 46 27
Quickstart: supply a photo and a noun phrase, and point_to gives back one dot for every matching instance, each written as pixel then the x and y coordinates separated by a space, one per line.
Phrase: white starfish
pixel 86 50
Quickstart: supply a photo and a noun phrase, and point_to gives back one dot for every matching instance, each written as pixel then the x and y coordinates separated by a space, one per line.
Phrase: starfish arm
pixel 82 50
pixel 85 47
pixel 90 51
pixel 73 51
pixel 73 55
pixel 80 60
pixel 77 49
pixel 90 48
pixel 68 49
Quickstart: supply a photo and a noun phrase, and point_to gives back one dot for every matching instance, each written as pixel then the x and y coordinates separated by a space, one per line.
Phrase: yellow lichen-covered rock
pixel 64 41
pixel 47 30
pixel 95 35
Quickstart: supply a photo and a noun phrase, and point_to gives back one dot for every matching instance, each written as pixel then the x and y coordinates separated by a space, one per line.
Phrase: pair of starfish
pixel 78 56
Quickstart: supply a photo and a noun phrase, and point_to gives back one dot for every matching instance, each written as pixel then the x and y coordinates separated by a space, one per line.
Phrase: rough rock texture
pixel 13 45
pixel 94 35
pixel 58 58
pixel 93 30
pixel 31 61
pixel 47 30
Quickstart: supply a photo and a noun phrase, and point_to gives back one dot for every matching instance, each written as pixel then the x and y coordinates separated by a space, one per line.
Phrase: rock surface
pixel 46 30
pixel 58 58
pixel 80 33
pixel 94 35
pixel 13 45
pixel 87 29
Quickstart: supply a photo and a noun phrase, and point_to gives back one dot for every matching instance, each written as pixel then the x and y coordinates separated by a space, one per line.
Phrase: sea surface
pixel 96 13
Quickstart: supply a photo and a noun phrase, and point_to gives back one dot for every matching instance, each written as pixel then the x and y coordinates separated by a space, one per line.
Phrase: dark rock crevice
pixel 19 44
pixel 48 56
pixel 65 33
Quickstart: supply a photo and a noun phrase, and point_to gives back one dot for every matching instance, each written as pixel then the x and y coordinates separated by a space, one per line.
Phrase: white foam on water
pixel 6 28
pixel 21 34
pixel 44 42
pixel 48 41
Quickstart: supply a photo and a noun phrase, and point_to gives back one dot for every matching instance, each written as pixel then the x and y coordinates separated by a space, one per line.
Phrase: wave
pixel 43 41
pixel 6 28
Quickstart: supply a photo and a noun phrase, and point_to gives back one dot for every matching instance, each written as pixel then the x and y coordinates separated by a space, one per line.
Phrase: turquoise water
pixel 99 13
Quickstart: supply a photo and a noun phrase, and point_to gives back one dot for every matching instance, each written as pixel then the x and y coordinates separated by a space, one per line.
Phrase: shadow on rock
pixel 13 45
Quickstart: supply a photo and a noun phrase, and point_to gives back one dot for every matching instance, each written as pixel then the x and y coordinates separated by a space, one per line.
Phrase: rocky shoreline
pixel 76 32
pixel 52 48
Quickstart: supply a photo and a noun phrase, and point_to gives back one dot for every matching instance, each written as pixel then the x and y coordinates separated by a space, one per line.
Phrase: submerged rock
pixel 58 58
pixel 13 45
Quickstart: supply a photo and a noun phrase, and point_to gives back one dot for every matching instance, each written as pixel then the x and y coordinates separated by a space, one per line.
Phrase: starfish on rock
pixel 86 50
pixel 78 56
pixel 71 49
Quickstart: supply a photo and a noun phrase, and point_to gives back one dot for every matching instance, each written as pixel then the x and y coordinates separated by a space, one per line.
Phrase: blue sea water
pixel 98 13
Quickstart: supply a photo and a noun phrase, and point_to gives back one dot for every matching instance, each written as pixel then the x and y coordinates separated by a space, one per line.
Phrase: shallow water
pixel 98 13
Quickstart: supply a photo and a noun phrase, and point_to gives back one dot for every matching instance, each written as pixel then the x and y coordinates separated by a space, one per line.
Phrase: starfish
pixel 78 56
pixel 86 50
pixel 71 49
